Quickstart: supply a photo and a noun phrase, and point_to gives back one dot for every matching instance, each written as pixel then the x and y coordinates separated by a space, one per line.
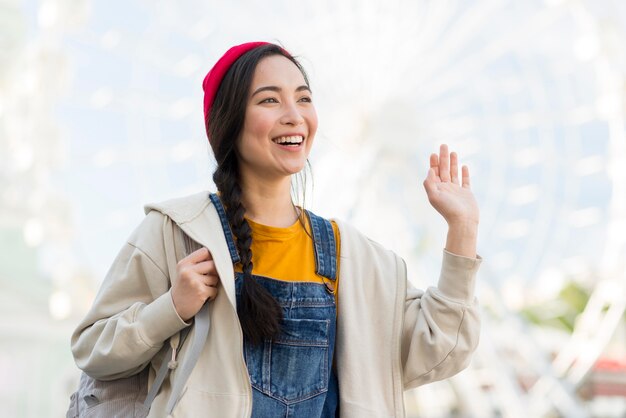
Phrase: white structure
pixel 100 112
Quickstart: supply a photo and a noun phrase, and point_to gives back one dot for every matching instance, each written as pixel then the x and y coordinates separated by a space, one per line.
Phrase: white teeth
pixel 289 140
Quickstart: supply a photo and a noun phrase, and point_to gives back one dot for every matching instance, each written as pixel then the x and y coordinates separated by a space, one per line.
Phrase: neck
pixel 269 202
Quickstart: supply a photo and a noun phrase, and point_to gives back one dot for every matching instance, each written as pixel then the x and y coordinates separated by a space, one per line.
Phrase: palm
pixel 450 196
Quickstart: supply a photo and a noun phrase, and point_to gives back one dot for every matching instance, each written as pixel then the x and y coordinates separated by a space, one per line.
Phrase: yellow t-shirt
pixel 287 253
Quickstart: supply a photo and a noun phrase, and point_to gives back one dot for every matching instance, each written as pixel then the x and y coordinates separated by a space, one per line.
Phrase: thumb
pixel 431 179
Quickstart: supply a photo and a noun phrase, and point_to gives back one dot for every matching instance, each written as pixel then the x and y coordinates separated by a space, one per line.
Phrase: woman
pixel 309 317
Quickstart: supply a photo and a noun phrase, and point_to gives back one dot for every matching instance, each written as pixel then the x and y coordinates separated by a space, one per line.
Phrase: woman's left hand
pixel 451 197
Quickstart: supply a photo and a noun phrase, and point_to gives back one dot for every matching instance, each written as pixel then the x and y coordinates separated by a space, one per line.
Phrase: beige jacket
pixel 390 336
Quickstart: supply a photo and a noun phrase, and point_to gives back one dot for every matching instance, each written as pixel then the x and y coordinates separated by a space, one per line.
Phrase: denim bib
pixel 292 374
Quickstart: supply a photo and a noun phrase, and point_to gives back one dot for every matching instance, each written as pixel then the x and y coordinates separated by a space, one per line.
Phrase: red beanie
pixel 214 77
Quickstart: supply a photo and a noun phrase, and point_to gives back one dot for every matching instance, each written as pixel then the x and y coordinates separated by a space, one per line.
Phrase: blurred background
pixel 101 112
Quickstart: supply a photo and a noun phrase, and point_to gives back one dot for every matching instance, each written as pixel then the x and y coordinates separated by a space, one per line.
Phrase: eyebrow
pixel 278 89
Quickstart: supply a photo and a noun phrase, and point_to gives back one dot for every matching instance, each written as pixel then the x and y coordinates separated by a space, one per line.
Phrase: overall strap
pixel 325 246
pixel 230 240
pixel 323 237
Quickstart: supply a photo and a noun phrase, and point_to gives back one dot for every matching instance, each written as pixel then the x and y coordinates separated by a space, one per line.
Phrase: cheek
pixel 257 124
pixel 312 120
pixel 312 130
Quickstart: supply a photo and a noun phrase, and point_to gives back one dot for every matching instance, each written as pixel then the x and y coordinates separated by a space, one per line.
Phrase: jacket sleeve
pixel 442 324
pixel 133 313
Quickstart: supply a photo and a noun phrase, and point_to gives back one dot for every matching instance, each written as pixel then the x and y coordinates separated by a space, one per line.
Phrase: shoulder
pixel 181 209
pixel 354 242
pixel 149 236
pixel 367 259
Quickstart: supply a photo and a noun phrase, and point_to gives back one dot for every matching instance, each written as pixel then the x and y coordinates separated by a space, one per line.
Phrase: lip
pixel 291 148
pixel 290 134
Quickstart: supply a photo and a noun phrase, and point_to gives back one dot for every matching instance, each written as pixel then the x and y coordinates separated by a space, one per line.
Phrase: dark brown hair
pixel 259 313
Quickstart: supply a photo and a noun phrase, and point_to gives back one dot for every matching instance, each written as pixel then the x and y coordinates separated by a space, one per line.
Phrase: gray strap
pixel 163 371
pixel 201 325
pixel 160 377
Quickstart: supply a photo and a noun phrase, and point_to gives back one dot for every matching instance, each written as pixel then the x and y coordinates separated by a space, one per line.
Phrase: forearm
pixel 440 332
pixel 131 317
pixel 462 237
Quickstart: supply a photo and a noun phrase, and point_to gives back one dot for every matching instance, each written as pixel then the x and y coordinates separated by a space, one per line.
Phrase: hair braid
pixel 259 313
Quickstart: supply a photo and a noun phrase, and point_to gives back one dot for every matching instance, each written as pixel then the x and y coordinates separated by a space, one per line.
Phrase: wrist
pixel 464 226
pixel 462 237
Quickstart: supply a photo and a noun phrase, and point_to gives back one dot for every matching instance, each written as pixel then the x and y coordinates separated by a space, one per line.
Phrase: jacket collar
pixel 198 218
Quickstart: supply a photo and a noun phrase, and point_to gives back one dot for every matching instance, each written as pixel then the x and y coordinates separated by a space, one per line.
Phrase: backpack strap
pixel 183 246
pixel 202 324
pixel 158 382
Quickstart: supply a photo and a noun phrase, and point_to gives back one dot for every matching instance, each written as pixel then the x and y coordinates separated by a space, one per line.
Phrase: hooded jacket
pixel 390 335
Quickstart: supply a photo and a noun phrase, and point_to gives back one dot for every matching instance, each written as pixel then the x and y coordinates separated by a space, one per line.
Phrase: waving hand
pixel 453 199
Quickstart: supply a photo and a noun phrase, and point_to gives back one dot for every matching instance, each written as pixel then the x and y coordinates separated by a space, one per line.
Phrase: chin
pixel 294 171
pixel 295 168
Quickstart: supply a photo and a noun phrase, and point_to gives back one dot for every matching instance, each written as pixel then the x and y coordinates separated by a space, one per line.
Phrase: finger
pixel 431 179
pixel 208 293
pixel 212 293
pixel 192 278
pixel 197 256
pixel 444 163
pixel 454 168
pixel 432 176
pixel 465 177
pixel 205 267
pixel 434 163
pixel 211 280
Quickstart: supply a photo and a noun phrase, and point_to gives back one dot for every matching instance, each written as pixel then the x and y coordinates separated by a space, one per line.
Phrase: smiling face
pixel 280 121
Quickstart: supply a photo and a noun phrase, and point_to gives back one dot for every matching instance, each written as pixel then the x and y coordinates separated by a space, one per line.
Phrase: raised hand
pixel 454 200
pixel 196 283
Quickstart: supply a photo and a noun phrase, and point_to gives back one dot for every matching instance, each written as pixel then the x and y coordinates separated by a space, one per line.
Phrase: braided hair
pixel 259 313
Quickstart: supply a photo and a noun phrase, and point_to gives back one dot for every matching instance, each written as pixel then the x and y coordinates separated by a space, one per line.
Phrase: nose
pixel 291 115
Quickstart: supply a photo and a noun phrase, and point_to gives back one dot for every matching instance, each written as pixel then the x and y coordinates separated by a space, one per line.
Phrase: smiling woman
pixel 278 343
pixel 280 123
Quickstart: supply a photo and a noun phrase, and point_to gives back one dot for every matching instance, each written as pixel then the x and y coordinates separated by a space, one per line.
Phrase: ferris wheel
pixel 529 93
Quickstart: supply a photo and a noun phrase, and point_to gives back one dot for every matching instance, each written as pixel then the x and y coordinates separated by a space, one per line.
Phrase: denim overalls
pixel 292 375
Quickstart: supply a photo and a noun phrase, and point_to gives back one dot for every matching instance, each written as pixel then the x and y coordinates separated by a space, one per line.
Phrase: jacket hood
pixel 182 209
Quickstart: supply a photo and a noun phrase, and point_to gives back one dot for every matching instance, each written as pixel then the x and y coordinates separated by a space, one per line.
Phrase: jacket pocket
pixel 294 366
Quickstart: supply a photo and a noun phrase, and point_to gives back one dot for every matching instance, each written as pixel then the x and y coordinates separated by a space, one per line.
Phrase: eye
pixel 269 100
pixel 306 99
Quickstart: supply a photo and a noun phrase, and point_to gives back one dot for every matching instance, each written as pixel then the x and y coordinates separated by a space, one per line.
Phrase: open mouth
pixel 289 141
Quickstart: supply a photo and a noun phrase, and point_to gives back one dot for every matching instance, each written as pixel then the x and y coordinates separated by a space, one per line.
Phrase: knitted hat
pixel 214 77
